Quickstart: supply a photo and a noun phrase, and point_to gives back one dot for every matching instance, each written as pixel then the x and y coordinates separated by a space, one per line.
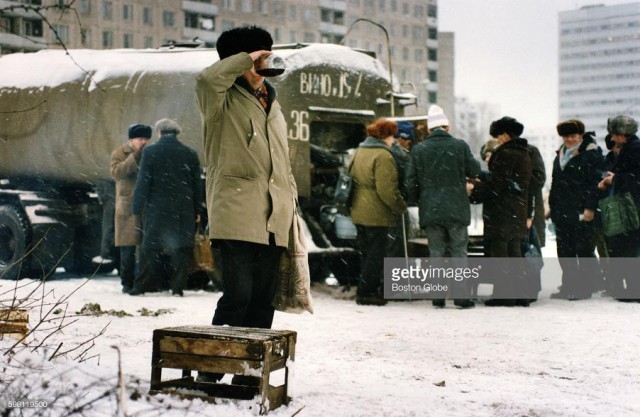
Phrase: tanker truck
pixel 63 113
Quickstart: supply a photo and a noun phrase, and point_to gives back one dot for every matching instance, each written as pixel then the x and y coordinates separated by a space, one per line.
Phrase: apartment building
pixel 403 33
pixel 599 64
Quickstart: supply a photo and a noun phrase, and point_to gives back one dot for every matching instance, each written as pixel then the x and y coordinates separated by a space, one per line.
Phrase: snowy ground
pixel 556 358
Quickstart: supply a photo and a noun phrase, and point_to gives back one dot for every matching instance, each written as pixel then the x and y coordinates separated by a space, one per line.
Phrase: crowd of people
pixel 440 176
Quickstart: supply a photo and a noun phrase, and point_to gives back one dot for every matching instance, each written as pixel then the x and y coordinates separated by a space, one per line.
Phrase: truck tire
pixel 14 239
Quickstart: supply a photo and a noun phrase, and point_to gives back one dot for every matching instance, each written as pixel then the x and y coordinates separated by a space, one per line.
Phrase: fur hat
pixel 507 125
pixel 405 131
pixel 168 126
pixel 243 39
pixel 570 127
pixel 436 117
pixel 622 125
pixel 139 131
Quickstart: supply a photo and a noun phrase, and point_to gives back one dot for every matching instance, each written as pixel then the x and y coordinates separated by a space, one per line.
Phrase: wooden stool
pixel 226 350
pixel 14 323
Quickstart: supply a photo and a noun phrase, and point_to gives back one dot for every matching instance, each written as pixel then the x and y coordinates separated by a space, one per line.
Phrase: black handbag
pixel 343 195
pixel 619 214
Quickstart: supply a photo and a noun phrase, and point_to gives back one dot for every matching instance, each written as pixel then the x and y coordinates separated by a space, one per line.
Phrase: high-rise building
pixel 411 27
pixel 599 64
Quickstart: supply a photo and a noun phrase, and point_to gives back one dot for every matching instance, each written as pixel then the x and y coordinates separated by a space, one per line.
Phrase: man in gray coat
pixel 168 197
pixel 436 179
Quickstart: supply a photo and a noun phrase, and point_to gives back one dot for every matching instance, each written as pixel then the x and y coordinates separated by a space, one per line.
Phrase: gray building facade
pixel 599 64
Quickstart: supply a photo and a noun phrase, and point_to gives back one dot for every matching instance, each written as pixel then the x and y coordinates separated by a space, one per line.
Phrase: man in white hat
pixel 436 179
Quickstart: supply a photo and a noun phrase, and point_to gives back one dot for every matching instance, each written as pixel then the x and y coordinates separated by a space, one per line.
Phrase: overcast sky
pixel 507 53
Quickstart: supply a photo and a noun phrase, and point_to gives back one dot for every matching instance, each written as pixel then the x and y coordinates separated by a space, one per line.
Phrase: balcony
pixel 200 8
pixel 9 40
pixel 326 27
pixel 205 35
pixel 340 5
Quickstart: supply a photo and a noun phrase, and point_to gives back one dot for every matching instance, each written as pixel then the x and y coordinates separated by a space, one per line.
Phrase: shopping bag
pixel 293 287
pixel 619 214
pixel 202 254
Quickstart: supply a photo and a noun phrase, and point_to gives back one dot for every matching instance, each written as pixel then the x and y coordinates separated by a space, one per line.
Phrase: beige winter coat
pixel 124 169
pixel 250 190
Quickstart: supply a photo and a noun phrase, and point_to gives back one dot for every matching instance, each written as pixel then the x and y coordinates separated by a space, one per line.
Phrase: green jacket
pixel 250 188
pixel 376 200
pixel 437 177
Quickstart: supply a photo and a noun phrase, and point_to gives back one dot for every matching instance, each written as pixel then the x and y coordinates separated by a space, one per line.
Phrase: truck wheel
pixel 14 232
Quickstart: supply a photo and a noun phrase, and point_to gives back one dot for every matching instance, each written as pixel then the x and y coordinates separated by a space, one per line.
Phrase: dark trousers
pixel 511 281
pixel 622 281
pixel 127 266
pixel 373 243
pixel 249 273
pixel 157 272
pixel 576 254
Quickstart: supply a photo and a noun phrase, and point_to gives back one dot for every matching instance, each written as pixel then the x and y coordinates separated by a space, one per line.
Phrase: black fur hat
pixel 570 127
pixel 243 39
pixel 507 125
pixel 139 131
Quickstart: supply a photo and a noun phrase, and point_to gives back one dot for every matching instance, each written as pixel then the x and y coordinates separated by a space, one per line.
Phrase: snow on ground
pixel 556 358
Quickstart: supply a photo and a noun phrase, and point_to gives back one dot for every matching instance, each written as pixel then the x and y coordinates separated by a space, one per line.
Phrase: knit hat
pixel 570 127
pixel 622 125
pixel 436 117
pixel 507 125
pixel 243 39
pixel 139 131
pixel 405 131
pixel 168 126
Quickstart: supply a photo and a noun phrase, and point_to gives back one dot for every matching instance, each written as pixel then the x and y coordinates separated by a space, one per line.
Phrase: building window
pixel 84 8
pixel 85 37
pixel 263 6
pixel 405 53
pixel 433 33
pixel 227 25
pixel 433 97
pixel 278 11
pixel 247 6
pixel 198 21
pixel 405 8
pixel 276 35
pixel 127 40
pixel 293 36
pixel 433 76
pixel 148 42
pixel 127 12
pixel 107 10
pixel 107 39
pixel 293 12
pixel 418 55
pixel 62 33
pixel 6 25
pixel 230 4
pixel 405 31
pixel 168 19
pixel 381 5
pixel 394 6
pixel 432 10
pixel 309 37
pixel 418 33
pixel 309 16
pixel 147 16
pixel 418 10
pixel 33 28
pixel 433 54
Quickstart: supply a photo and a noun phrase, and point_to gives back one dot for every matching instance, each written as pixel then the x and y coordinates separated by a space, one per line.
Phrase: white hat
pixel 436 117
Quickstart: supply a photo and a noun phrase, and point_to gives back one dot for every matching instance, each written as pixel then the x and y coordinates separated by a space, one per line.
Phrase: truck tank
pixel 63 113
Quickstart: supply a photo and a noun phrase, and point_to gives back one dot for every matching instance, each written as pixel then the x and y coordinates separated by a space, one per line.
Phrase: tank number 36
pixel 299 125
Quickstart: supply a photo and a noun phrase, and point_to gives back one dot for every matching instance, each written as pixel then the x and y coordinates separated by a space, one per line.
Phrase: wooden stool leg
pixel 264 380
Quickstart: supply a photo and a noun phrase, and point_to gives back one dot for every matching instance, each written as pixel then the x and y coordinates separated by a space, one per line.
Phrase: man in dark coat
pixel 506 206
pixel 437 179
pixel 168 196
pixel 623 177
pixel 573 201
